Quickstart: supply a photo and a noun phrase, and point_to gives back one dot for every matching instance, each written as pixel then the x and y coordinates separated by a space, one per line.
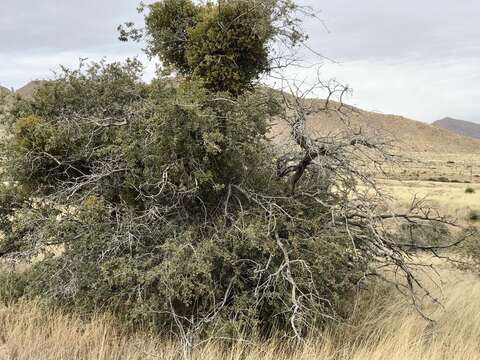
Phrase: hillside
pixel 29 89
pixel 410 135
pixel 4 90
pixel 462 127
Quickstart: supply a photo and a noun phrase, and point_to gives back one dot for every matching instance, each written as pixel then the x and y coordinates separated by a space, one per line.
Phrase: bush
pixel 219 44
pixel 474 215
pixel 166 204
pixel 469 190
pixel 12 286
pixel 421 234
pixel 151 203
pixel 470 249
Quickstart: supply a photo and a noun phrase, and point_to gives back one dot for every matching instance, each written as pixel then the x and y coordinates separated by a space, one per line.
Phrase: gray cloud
pixel 37 36
pixel 62 25
pixel 398 31
pixel 416 58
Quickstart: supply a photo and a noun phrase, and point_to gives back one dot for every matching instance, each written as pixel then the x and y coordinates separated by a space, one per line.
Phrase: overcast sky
pixel 420 59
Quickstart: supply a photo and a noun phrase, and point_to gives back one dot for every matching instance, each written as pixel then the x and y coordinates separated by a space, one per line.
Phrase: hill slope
pixel 29 89
pixel 462 127
pixel 409 135
pixel 4 90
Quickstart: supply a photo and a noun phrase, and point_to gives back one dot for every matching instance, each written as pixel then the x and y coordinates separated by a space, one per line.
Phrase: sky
pixel 419 59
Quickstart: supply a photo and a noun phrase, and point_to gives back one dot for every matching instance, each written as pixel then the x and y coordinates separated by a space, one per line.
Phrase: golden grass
pixel 433 165
pixel 384 326
pixel 449 199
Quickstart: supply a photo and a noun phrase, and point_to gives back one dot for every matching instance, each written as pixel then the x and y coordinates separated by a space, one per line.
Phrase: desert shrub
pixel 12 286
pixel 145 189
pixel 167 205
pixel 424 234
pixel 473 215
pixel 470 249
pixel 469 190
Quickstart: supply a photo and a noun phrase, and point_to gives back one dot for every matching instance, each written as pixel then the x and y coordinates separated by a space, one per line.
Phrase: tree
pixel 167 205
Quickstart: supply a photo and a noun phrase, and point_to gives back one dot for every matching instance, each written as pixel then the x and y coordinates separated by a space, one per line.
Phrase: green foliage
pixel 226 45
pixel 424 234
pixel 147 201
pixel 12 287
pixel 169 23
pixel 470 249
pixel 469 190
pixel 161 203
pixel 192 274
pixel 473 215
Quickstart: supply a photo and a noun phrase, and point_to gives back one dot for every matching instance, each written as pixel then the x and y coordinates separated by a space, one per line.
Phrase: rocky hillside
pixel 29 89
pixel 4 90
pixel 462 127
pixel 409 135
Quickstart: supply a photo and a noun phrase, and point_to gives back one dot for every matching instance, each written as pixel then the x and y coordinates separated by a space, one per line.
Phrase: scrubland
pixel 451 199
pixel 384 325
pixel 182 218
pixel 438 167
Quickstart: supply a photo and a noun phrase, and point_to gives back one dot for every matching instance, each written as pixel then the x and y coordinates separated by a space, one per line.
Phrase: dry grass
pixel 437 165
pixel 449 198
pixel 383 327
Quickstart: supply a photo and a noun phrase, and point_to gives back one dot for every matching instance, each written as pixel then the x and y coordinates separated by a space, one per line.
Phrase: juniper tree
pixel 168 205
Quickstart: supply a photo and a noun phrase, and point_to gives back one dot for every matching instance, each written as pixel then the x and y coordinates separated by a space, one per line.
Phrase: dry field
pixel 441 167
pixel 440 179
pixel 384 326
pixel 450 199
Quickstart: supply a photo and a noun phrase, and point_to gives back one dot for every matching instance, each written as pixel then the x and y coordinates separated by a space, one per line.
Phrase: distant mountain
pixel 29 89
pixel 4 90
pixel 410 135
pixel 462 127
